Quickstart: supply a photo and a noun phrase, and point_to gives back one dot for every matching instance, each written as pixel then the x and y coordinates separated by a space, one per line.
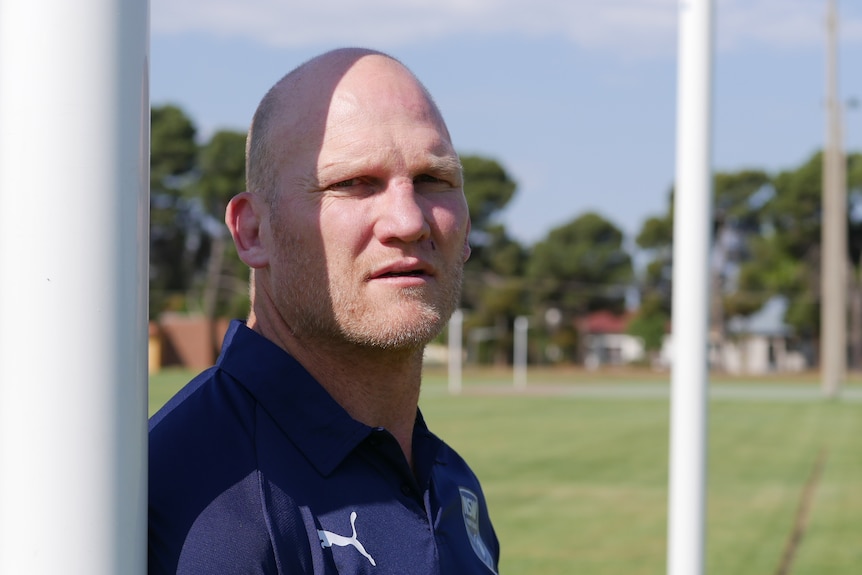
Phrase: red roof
pixel 604 322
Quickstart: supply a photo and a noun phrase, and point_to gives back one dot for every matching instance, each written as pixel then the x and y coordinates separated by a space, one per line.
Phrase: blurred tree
pixel 221 175
pixel 193 263
pixel 739 219
pixel 854 193
pixel 787 259
pixel 173 154
pixel 493 286
pixel 786 256
pixel 656 238
pixel 581 267
pixel 222 170
pixel 650 323
pixel 494 290
pixel 173 150
pixel 738 201
pixel 488 189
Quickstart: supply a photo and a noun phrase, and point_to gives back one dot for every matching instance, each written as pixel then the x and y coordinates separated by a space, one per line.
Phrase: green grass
pixel 578 483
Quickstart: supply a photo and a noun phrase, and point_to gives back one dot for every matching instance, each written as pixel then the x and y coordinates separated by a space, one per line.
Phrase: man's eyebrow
pixel 445 164
pixel 340 168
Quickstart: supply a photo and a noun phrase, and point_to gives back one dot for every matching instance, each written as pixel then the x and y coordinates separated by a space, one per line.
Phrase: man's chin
pixel 404 331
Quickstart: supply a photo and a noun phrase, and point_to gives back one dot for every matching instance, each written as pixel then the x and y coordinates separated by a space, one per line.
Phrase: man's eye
pixel 345 184
pixel 428 179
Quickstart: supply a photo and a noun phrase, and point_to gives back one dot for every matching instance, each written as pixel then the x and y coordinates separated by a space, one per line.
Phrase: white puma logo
pixel 328 539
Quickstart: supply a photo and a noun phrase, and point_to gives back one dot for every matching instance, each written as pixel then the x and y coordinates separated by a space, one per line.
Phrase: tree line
pixel 766 232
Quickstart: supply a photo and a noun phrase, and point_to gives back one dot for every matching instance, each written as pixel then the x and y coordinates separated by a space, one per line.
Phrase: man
pixel 303 450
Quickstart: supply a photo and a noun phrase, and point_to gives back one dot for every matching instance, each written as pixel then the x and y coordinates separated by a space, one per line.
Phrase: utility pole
pixel 833 298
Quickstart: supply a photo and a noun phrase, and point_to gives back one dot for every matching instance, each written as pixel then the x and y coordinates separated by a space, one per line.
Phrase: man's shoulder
pixel 208 399
pixel 206 430
pixel 211 414
pixel 187 393
pixel 202 471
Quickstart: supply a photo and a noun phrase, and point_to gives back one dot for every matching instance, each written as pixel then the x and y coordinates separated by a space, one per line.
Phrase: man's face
pixel 369 231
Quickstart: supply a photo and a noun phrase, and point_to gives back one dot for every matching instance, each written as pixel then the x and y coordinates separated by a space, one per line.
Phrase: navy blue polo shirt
pixel 254 468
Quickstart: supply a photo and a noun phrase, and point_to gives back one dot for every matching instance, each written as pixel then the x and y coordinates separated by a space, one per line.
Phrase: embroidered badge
pixel 328 539
pixel 470 510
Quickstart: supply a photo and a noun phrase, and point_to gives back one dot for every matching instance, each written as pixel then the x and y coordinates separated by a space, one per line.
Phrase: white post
pixel 456 323
pixel 692 226
pixel 520 352
pixel 833 306
pixel 74 171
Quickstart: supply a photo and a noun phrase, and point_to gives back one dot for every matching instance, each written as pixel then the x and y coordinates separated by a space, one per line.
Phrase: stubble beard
pixel 408 320
pixel 329 310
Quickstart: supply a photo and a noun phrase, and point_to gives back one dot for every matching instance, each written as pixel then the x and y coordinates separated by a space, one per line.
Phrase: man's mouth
pixel 412 268
pixel 409 273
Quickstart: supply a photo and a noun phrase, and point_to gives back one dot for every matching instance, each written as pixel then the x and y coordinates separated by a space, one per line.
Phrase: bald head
pixel 353 186
pixel 292 116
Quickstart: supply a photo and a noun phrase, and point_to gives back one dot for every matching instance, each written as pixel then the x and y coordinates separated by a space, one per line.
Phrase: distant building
pixel 606 341
pixel 759 344
pixel 755 345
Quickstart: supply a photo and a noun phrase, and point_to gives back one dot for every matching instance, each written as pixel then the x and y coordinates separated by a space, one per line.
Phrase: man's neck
pixel 379 388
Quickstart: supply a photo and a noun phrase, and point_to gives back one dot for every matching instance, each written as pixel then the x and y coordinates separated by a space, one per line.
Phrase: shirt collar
pixel 303 410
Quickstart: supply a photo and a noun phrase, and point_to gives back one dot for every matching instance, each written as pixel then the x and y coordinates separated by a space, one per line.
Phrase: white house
pixel 759 344
pixel 606 341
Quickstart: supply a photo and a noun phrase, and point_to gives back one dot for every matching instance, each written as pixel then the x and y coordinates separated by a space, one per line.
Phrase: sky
pixel 576 99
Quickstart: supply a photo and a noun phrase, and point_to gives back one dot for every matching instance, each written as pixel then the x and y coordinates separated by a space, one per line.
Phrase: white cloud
pixel 776 23
pixel 629 28
pixel 613 24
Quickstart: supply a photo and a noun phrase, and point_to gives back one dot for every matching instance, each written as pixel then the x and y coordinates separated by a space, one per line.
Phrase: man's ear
pixel 245 217
pixel 467 250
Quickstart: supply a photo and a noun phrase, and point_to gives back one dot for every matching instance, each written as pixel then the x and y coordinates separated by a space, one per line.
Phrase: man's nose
pixel 401 214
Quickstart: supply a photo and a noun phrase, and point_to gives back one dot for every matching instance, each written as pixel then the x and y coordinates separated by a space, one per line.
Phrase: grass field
pixel 575 470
